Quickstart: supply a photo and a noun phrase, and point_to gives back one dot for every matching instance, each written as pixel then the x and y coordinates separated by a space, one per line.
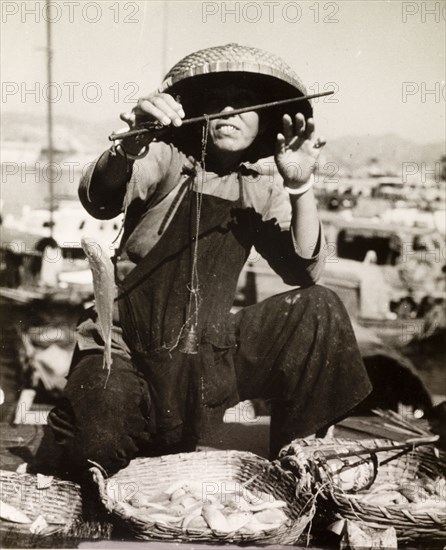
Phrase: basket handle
pixel 99 479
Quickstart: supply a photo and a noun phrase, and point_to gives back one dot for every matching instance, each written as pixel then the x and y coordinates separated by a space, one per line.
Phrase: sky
pixel 385 59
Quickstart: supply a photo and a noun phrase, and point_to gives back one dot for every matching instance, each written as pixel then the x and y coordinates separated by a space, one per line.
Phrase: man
pixel 194 206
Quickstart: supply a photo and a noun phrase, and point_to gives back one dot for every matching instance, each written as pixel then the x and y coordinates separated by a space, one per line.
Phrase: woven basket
pixel 411 525
pixel 151 475
pixel 60 503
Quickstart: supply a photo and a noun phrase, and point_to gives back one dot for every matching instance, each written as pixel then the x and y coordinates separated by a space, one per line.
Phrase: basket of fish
pixel 38 504
pixel 228 496
pixel 376 483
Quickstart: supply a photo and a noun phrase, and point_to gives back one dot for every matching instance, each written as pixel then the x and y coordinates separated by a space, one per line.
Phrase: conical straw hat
pixel 233 58
pixel 265 72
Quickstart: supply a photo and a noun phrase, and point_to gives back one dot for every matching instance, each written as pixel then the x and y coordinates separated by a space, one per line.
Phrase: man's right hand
pixel 156 107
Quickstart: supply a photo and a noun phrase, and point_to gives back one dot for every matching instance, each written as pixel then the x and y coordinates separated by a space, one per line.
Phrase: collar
pixel 262 167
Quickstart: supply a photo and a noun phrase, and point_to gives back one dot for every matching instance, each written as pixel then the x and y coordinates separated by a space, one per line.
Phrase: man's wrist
pixel 118 148
pixel 132 147
pixel 301 189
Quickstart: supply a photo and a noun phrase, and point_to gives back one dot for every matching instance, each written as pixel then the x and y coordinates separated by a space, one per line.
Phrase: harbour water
pixel 27 185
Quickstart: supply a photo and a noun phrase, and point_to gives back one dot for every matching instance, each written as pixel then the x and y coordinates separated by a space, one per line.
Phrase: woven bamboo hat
pixel 262 71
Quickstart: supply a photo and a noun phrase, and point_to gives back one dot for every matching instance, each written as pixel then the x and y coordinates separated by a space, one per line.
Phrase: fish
pixel 243 506
pixel 187 501
pixel 267 505
pixel 164 518
pixel 237 520
pixel 10 513
pixel 198 504
pixel 128 509
pixel 176 486
pixel 160 499
pixel 215 519
pixel 177 495
pixel 191 516
pixel 144 502
pixel 197 523
pixel 231 509
pixel 255 527
pixel 104 292
pixel 149 508
pixel 271 515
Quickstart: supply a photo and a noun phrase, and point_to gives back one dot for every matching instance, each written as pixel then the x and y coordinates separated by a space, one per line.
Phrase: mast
pixel 164 39
pixel 50 144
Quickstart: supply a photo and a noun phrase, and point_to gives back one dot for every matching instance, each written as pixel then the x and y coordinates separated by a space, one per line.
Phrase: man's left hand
pixel 297 151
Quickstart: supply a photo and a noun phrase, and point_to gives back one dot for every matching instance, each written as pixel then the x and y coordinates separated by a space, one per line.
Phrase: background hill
pixel 353 155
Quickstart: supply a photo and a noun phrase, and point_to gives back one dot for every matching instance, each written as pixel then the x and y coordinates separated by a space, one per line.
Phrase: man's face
pixel 233 133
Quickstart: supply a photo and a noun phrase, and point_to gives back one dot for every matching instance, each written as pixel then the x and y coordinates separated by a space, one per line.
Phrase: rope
pixel 188 334
pixel 199 201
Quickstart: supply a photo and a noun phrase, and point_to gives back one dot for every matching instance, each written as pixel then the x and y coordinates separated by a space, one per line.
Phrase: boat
pixel 388 269
pixel 41 254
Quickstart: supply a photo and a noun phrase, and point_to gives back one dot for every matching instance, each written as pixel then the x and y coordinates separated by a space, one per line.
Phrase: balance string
pixel 191 323
pixel 194 282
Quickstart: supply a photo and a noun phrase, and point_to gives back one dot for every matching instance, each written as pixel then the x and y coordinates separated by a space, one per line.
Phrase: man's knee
pixel 101 423
pixel 316 296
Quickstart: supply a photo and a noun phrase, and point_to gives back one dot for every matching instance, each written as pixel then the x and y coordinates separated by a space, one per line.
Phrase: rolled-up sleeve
pixel 100 210
pixel 145 174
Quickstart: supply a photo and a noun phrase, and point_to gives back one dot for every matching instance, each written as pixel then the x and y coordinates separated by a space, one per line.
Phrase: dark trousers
pixel 296 349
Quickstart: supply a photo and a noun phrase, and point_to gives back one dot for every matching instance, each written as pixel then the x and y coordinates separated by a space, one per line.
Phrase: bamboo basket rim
pixel 411 524
pixel 300 508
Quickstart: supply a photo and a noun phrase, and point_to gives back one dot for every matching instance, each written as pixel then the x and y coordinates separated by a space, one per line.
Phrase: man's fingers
pixel 287 125
pixel 128 118
pixel 309 131
pixel 146 108
pixel 161 107
pixel 169 107
pixel 280 143
pixel 300 125
pixel 174 105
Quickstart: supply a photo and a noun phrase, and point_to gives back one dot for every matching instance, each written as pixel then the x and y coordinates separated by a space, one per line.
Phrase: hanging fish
pixel 104 292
